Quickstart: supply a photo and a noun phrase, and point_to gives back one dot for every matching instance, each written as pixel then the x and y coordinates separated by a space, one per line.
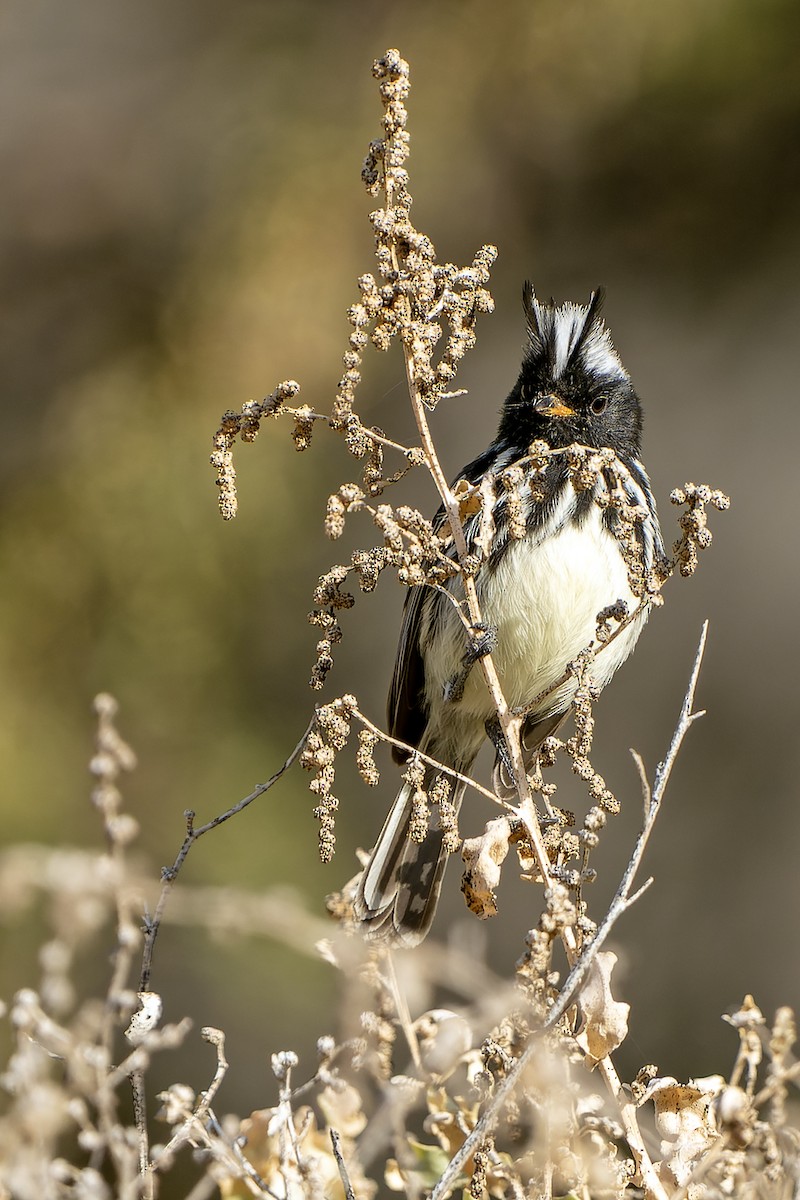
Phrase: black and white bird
pixel 540 594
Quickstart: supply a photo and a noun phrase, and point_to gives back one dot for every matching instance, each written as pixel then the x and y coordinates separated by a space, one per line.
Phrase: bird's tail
pixel 399 888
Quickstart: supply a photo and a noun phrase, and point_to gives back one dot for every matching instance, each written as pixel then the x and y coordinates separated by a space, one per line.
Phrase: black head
pixel 572 386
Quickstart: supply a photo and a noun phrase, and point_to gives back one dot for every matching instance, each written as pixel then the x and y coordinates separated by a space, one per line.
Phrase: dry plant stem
pixel 509 724
pixel 216 1038
pixel 250 1176
pixel 654 1188
pixel 170 874
pixel 127 938
pixel 340 1163
pixel 288 1128
pixel 140 1120
pixel 199 1115
pixel 577 976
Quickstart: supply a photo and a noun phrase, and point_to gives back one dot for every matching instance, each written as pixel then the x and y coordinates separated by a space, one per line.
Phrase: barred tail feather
pixel 399 888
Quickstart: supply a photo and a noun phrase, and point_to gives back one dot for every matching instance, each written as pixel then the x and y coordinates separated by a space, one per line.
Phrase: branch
pixel 170 874
pixel 152 926
pixel 345 1178
pixel 412 752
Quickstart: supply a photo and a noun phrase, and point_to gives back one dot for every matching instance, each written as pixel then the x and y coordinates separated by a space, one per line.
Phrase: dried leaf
pixel 468 497
pixel 483 857
pixel 605 1020
pixel 685 1121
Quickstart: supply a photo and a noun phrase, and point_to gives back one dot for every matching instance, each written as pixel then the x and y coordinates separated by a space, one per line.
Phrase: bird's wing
pixel 405 709
pixel 407 716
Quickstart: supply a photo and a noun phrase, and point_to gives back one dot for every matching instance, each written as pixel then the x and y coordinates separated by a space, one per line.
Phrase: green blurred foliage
pixel 182 227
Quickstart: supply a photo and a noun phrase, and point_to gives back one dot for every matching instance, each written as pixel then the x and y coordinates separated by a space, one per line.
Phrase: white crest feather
pixel 570 333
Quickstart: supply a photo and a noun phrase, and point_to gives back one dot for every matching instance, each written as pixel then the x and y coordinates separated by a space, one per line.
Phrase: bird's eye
pixel 599 405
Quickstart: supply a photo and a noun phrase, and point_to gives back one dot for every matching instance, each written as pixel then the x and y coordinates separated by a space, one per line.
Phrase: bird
pixel 540 589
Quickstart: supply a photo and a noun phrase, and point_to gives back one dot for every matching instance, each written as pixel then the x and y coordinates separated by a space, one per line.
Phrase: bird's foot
pixel 494 732
pixel 482 641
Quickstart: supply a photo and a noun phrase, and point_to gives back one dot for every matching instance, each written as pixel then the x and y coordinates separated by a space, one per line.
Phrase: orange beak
pixel 552 406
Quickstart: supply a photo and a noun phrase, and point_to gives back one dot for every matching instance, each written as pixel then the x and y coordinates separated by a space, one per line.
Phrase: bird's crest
pixel 571 335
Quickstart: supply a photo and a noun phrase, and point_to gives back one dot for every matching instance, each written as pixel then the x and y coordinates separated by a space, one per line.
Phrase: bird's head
pixel 572 386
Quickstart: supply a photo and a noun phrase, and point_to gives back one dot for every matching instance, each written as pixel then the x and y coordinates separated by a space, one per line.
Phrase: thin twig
pixel 170 874
pixel 200 1122
pixel 687 718
pixel 431 762
pixel 383 440
pixel 577 976
pixel 215 1037
pixel 509 723
pixel 345 1178
pixel 140 1119
pixel 168 1037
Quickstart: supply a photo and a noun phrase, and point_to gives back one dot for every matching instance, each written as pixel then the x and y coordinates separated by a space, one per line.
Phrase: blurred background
pixel 182 224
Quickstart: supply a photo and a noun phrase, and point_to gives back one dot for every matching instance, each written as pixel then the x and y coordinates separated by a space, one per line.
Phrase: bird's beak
pixel 552 406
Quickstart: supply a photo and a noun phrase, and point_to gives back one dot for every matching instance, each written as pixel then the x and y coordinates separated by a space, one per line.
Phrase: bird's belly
pixel 542 600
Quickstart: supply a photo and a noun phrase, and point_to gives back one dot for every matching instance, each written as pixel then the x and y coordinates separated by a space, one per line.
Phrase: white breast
pixel 543 600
